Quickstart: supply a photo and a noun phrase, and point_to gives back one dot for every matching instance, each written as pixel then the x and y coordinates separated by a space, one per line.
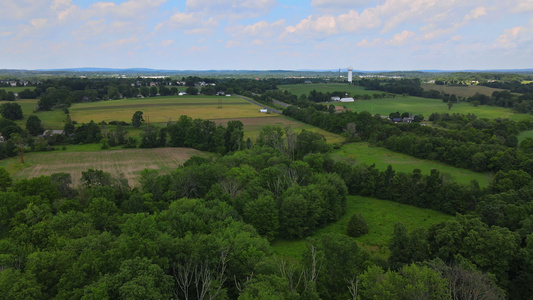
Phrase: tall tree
pixel 11 111
pixel 34 125
pixel 137 119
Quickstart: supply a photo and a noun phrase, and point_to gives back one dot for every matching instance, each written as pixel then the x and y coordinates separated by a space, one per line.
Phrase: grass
pixel 352 90
pixel 426 106
pixel 74 160
pixel 525 134
pixel 382 158
pixel 17 89
pixel 163 109
pixel 380 215
pixel 461 91
pixel 252 127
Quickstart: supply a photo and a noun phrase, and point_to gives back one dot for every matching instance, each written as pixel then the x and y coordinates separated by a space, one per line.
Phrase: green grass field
pixel 382 158
pixel 525 134
pixel 380 216
pixel 74 160
pixel 17 89
pixel 461 91
pixel 163 109
pixel 425 106
pixel 352 90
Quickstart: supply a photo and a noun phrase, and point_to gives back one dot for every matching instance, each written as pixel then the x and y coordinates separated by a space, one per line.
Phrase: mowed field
pixel 426 106
pixel 129 162
pixel 299 89
pixel 461 91
pixel 382 158
pixel 380 216
pixel 163 109
pixel 253 126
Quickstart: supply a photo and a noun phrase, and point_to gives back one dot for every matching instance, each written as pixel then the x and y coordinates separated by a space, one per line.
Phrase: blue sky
pixel 267 34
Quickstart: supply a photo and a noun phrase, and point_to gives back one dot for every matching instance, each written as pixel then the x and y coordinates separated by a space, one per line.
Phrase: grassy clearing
pixel 352 90
pixel 461 91
pixel 129 162
pixel 17 89
pixel 252 127
pixel 163 109
pixel 382 158
pixel 425 106
pixel 380 215
pixel 525 134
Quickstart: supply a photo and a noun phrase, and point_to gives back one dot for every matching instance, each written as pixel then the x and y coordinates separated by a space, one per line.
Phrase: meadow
pixel 163 109
pixel 426 106
pixel 461 91
pixel 129 162
pixel 382 158
pixel 352 90
pixel 380 216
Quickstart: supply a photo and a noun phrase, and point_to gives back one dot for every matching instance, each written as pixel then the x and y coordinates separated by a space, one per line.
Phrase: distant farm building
pixel 263 110
pixel 347 99
pixel 335 98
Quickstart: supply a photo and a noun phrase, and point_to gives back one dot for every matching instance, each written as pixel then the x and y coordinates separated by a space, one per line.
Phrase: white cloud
pixel 523 6
pixel 192 23
pixel 339 5
pixel 195 49
pixel 166 43
pixel 120 42
pixel 476 13
pixel 232 9
pixel 400 38
pixel 509 38
pixel 231 44
pixel 366 43
pixel 261 29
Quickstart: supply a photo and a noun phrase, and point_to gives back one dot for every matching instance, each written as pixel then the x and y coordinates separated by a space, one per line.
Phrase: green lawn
pixel 17 89
pixel 380 215
pixel 382 158
pixel 461 91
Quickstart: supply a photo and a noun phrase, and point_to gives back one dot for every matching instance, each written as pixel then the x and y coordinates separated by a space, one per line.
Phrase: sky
pixel 368 35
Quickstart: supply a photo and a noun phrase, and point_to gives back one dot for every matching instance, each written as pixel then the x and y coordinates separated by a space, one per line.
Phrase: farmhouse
pixel 182 93
pixel 347 99
pixel 263 110
pixel 53 132
pixel 335 98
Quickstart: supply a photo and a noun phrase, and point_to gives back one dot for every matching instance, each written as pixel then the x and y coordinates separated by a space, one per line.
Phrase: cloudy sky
pixel 267 34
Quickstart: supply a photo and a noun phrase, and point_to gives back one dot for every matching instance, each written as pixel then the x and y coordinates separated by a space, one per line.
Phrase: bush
pixel 357 226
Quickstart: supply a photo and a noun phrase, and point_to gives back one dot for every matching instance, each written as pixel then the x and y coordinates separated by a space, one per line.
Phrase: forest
pixel 204 230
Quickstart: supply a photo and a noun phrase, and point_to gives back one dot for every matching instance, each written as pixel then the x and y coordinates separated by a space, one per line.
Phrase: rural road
pixel 261 105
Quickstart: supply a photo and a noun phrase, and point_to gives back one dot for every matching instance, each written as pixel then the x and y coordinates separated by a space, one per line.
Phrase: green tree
pixel 5 179
pixel 33 125
pixel 263 215
pixel 11 111
pixel 137 119
pixel 357 226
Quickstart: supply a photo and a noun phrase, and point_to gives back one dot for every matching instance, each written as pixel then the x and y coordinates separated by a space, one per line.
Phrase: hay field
pixel 129 162
pixel 163 109
pixel 298 89
pixel 252 126
pixel 426 106
pixel 382 158
pixel 461 91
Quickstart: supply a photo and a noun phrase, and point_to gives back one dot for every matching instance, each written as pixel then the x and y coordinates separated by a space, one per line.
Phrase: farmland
pixel 163 109
pixel 380 215
pixel 352 90
pixel 461 91
pixel 426 106
pixel 127 162
pixel 382 157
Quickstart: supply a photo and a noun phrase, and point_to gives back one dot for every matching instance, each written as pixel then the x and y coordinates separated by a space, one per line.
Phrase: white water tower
pixel 350 69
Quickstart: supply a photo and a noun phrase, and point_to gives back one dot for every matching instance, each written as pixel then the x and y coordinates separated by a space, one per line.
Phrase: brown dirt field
pixel 129 162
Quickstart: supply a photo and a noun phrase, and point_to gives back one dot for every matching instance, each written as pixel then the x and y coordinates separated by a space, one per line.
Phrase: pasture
pixel 164 109
pixel 252 126
pixel 382 158
pixel 129 162
pixel 525 134
pixel 352 90
pixel 461 91
pixel 380 216
pixel 17 89
pixel 426 106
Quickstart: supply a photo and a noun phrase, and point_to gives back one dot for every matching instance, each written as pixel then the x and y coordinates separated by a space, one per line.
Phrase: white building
pixel 350 74
pixel 350 99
